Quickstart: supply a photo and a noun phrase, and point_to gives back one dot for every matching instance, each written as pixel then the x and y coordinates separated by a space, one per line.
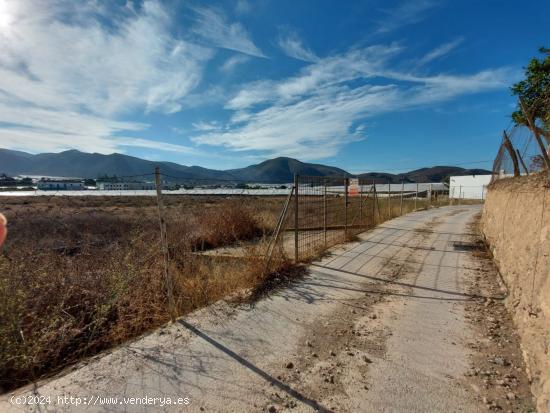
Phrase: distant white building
pixel 60 185
pixel 412 187
pixel 125 186
pixel 469 186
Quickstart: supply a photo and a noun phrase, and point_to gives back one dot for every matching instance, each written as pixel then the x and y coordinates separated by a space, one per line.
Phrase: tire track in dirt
pixel 333 356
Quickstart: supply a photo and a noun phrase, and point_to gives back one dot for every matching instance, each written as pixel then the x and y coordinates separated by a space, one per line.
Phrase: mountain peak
pixel 71 151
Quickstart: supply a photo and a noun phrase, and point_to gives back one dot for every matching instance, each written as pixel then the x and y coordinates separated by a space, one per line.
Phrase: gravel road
pixel 377 325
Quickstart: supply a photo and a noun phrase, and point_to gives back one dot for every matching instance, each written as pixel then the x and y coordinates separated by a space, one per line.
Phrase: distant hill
pixel 74 163
pixel 433 174
pixel 283 170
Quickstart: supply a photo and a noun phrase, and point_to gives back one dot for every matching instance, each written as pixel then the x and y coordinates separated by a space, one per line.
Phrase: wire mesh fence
pixel 326 211
pixel 521 153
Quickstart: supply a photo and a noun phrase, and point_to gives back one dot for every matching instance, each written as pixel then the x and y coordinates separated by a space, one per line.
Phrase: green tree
pixel 534 90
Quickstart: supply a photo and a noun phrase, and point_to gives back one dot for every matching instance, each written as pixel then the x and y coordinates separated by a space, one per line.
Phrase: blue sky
pixel 366 85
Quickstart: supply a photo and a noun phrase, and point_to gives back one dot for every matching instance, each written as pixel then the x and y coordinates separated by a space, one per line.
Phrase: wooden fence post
pixel 416 197
pixel 164 247
pixel 296 193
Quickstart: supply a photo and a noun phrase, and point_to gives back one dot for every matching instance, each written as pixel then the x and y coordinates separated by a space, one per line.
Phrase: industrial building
pixel 125 186
pixel 60 185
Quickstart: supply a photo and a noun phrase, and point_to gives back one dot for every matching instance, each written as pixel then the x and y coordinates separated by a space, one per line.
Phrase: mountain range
pixel 73 163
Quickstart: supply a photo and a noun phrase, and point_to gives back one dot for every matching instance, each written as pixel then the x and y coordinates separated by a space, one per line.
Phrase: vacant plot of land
pixel 78 275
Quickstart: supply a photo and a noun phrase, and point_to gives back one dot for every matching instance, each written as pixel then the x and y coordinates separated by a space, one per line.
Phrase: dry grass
pixel 78 277
pixel 225 226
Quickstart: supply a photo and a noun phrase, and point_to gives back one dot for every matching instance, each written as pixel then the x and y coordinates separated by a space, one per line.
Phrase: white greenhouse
pixel 469 186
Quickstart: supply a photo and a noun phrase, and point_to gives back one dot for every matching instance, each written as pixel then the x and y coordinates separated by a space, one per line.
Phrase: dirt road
pixel 378 325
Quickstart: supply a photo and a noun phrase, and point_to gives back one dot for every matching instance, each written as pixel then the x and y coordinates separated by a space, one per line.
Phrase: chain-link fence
pixel 324 211
pixel 521 152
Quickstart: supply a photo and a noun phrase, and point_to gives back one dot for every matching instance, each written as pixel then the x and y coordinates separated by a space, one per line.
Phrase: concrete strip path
pixel 378 325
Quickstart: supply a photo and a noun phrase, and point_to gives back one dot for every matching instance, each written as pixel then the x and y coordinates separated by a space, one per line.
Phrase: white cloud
pixel 252 94
pixel 211 25
pixel 206 126
pixel 310 128
pixel 292 45
pixel 312 115
pixel 163 146
pixel 231 63
pixel 327 72
pixel 211 95
pixel 35 140
pixel 243 7
pixel 407 12
pixel 65 77
pixel 439 51
pixel 177 130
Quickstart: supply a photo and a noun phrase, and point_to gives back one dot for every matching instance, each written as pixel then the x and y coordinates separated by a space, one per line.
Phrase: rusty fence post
pixel 416 197
pixel 360 204
pixel 374 202
pixel 278 228
pixel 375 206
pixel 402 189
pixel 389 200
pixel 346 187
